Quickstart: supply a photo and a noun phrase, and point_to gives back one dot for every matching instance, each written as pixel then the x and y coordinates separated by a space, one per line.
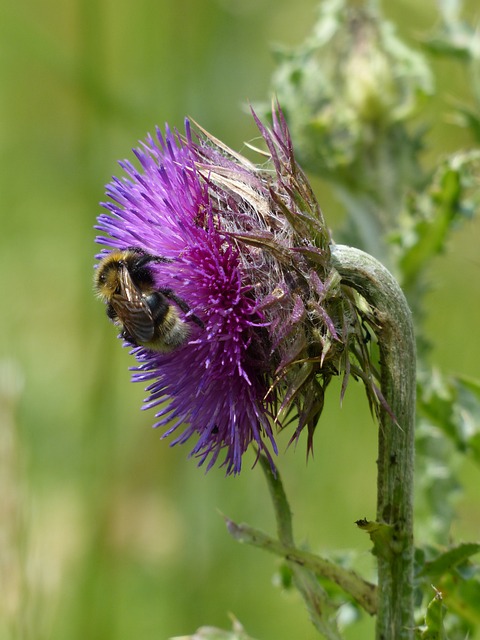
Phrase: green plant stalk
pixel 396 341
pixel 363 592
pixel 319 607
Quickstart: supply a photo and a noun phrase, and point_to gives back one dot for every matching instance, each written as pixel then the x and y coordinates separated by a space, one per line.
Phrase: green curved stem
pixel 396 341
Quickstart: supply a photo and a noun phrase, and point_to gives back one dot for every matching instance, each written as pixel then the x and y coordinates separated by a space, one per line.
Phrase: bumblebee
pixel 124 281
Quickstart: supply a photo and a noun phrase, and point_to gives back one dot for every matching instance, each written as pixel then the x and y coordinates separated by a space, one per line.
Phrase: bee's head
pixel 107 274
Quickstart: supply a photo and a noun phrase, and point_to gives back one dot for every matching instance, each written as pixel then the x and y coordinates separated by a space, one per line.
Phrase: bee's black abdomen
pixel 158 305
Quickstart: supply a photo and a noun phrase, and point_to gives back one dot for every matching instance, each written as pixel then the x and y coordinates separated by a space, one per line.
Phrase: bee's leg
pixel 125 335
pixel 171 295
pixel 111 313
pixel 146 257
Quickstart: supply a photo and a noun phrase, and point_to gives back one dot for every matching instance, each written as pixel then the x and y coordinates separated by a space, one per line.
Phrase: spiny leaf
pixel 448 560
pixel 434 629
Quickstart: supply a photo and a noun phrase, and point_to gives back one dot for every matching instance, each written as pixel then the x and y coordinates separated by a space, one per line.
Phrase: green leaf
pixel 469 118
pixel 434 629
pixel 381 535
pixel 453 405
pixel 363 592
pixel 452 195
pixel 466 600
pixel 462 598
pixel 457 578
pixel 433 219
pixel 449 560
pixel 455 37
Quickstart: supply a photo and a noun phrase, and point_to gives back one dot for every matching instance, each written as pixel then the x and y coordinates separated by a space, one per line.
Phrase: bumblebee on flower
pixel 226 292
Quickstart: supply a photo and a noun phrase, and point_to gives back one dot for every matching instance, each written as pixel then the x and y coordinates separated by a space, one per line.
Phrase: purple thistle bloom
pixel 248 251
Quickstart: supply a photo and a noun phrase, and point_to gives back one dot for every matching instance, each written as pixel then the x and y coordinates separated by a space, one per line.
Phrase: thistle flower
pixel 248 250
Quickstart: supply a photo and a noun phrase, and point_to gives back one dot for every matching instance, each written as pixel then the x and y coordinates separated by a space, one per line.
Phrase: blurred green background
pixel 105 531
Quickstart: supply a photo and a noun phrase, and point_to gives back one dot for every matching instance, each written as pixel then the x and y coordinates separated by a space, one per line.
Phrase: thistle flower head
pixel 247 249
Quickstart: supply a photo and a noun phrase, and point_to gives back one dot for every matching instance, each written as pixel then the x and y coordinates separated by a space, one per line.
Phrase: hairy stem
pixel 316 599
pixel 360 590
pixel 396 342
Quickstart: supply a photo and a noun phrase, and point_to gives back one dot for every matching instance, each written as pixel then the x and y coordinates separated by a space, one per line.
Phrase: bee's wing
pixel 133 311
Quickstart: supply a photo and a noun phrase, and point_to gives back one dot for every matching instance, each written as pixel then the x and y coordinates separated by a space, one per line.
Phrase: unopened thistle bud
pixel 351 78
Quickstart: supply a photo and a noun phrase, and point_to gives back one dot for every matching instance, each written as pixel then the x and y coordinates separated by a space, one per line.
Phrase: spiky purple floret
pixel 215 385
pixel 150 208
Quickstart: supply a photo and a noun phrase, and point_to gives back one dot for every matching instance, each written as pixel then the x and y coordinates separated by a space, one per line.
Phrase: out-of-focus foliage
pixel 211 633
pixel 453 405
pixel 450 572
pixel 431 214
